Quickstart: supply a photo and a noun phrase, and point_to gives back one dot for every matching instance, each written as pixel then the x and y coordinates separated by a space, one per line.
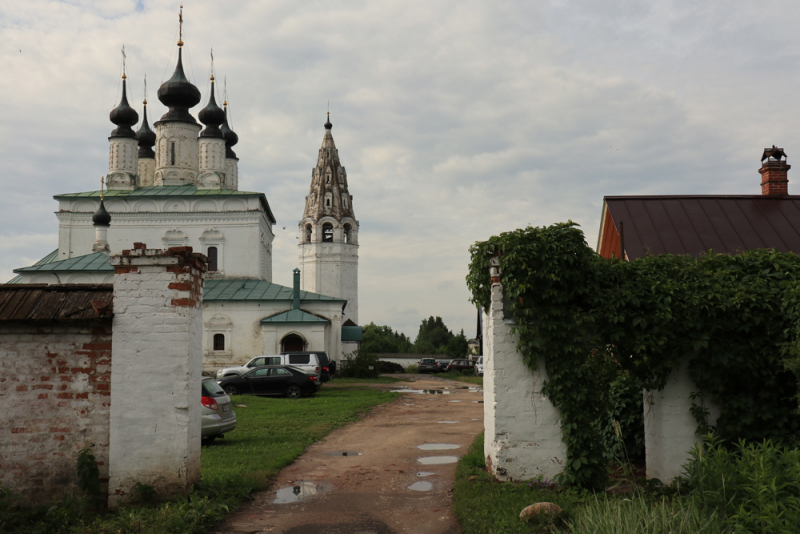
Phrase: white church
pixel 178 186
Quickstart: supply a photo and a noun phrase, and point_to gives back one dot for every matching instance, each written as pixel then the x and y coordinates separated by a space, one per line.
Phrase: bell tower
pixel 329 231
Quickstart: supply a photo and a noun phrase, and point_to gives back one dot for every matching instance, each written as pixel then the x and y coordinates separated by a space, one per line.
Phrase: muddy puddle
pixel 299 491
pixel 438 446
pixel 436 460
pixel 422 485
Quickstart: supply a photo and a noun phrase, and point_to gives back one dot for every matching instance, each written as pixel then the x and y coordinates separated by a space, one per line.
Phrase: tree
pixel 383 340
pixel 435 338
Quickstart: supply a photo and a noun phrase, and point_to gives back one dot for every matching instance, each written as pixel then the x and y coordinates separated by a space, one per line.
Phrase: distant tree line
pixel 433 338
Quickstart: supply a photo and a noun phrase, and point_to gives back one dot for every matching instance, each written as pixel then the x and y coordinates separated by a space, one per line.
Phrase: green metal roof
pixel 97 262
pixel 157 191
pixel 295 317
pixel 352 333
pixel 53 256
pixel 252 289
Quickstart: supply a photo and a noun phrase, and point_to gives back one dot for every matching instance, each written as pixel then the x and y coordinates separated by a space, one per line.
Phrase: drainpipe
pixel 296 292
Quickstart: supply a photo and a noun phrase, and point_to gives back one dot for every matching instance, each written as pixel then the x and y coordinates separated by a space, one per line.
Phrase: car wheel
pixel 230 389
pixel 293 392
pixel 208 440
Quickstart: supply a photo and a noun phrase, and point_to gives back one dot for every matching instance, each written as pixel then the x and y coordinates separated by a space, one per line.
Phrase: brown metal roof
pixel 694 224
pixel 40 302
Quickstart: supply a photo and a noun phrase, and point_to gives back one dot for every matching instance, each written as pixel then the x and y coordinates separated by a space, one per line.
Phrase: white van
pixel 307 362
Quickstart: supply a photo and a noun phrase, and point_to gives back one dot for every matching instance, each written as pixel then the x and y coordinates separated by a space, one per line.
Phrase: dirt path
pixel 369 493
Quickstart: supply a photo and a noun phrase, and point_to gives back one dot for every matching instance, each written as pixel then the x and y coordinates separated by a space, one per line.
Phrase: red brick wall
pixel 55 398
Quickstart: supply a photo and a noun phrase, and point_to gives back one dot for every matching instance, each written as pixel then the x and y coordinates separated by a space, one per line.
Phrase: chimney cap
pixel 774 152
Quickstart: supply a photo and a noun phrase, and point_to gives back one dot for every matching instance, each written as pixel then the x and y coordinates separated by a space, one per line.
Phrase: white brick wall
pixel 522 437
pixel 155 380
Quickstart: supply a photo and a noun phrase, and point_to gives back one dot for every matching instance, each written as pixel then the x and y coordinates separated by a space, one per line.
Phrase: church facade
pixel 178 186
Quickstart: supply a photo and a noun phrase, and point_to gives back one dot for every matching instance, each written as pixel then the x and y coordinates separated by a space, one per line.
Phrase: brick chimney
pixel 774 173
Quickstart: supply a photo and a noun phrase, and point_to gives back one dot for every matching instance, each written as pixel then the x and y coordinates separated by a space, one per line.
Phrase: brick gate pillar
pixel 156 370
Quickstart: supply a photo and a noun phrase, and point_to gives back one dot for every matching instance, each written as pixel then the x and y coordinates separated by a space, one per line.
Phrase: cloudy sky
pixel 456 119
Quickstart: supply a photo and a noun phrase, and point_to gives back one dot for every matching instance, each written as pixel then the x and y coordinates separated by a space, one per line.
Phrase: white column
pixel 156 371
pixel 522 436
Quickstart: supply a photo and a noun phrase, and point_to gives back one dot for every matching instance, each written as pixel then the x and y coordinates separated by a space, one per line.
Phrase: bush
pixel 413 369
pixel 753 487
pixel 391 367
pixel 359 364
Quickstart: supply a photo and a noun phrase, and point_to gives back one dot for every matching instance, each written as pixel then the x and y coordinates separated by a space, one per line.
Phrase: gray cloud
pixel 456 120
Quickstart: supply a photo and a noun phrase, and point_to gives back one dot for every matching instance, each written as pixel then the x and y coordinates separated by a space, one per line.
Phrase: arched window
pixel 212 259
pixel 308 233
pixel 327 233
pixel 328 176
pixel 172 153
pixel 219 341
pixel 347 236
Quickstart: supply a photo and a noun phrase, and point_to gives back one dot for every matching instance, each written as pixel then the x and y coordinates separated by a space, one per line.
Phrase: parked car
pixel 300 359
pixel 286 380
pixel 216 416
pixel 461 365
pixel 479 366
pixel 443 365
pixel 307 361
pixel 428 365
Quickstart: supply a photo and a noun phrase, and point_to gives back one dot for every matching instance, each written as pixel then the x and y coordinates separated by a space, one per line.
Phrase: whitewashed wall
pixel 670 427
pixel 156 367
pixel 522 437
pixel 232 224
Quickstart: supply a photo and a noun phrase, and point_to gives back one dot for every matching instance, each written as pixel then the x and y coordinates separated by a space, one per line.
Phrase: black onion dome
pixel 179 94
pixel 328 124
pixel 212 116
pixel 101 216
pixel 230 137
pixel 146 137
pixel 124 116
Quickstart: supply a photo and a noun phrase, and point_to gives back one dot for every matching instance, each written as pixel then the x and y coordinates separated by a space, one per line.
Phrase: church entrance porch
pixel 293 343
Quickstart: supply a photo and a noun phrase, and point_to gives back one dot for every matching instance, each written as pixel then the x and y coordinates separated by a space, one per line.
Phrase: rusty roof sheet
pixel 63 303
pixel 695 224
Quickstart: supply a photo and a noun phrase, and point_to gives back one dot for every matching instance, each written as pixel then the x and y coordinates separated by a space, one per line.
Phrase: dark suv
pixel 327 366
pixel 428 365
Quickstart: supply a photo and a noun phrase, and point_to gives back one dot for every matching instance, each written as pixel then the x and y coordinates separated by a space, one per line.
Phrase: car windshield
pixel 428 360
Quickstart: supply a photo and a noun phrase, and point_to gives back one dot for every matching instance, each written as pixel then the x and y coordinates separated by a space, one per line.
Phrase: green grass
pixel 383 379
pixel 483 505
pixel 271 433
pixel 472 379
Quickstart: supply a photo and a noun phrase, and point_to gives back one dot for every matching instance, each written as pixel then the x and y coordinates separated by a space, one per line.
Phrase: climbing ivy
pixel 736 317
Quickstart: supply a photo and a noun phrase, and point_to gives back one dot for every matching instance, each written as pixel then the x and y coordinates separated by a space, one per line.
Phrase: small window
pixel 219 341
pixel 172 153
pixel 308 233
pixel 299 359
pixel 347 230
pixel 274 360
pixel 212 259
pixel 258 362
pixel 328 202
pixel 259 373
pixel 280 372
pixel 328 176
pixel 327 233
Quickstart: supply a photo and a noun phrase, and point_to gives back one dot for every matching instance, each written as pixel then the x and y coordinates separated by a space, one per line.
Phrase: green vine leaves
pixel 735 319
